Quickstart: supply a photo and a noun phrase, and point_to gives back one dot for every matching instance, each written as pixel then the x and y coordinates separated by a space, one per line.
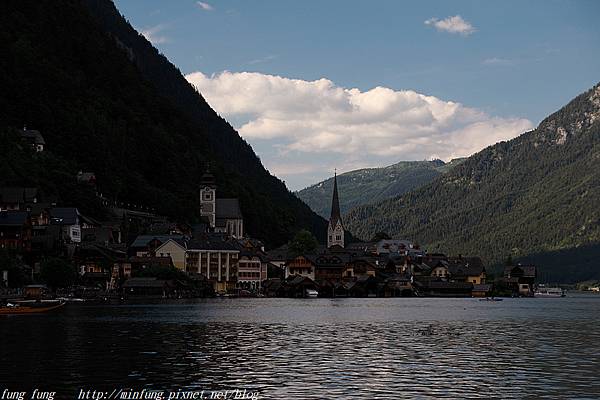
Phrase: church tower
pixel 335 230
pixel 208 196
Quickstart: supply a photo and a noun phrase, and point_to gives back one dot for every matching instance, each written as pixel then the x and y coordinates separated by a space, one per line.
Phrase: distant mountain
pixel 107 101
pixel 536 197
pixel 370 185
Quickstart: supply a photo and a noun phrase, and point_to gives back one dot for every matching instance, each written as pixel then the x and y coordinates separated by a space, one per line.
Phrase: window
pixel 207 196
pixel 338 237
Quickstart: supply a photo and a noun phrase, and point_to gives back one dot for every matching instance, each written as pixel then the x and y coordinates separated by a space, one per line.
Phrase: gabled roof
pixel 228 209
pixel 13 218
pixel 525 271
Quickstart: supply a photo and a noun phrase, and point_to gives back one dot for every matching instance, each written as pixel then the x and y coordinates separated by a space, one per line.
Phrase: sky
pixel 319 85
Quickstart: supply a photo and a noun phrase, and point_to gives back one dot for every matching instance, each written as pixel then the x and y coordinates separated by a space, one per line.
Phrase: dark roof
pixel 210 243
pixel 33 136
pixel 17 194
pixel 143 240
pixel 281 253
pixel 69 215
pixel 335 205
pixel 13 218
pixel 228 209
pixel 526 271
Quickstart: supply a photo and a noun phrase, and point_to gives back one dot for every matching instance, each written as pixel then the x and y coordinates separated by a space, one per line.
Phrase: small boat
pixel 311 293
pixel 30 307
pixel 491 299
pixel 543 291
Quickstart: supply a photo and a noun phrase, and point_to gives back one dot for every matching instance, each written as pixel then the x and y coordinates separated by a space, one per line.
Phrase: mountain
pixel 107 101
pixel 534 198
pixel 371 185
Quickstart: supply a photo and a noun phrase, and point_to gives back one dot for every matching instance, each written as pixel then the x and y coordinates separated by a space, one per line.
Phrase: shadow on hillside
pixel 568 265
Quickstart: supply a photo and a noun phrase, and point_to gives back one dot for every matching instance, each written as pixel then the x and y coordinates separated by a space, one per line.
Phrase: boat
pixel 311 293
pixel 491 299
pixel 543 291
pixel 30 307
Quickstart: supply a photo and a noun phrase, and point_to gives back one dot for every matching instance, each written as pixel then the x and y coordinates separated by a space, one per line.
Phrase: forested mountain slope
pixel 371 185
pixel 531 197
pixel 106 101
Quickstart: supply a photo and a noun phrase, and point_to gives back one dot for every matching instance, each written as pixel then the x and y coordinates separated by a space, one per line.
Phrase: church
pixel 222 215
pixel 335 229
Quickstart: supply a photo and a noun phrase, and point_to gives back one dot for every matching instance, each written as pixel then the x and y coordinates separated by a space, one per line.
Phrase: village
pixel 42 239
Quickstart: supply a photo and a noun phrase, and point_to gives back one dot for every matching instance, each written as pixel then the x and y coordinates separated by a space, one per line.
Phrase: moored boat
pixel 543 291
pixel 30 307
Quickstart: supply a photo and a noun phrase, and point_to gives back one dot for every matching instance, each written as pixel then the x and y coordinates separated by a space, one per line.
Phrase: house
pixel 34 139
pixel 467 269
pixel 386 246
pixel 252 270
pixel 15 230
pixel 358 267
pixel 303 265
pixel 330 266
pixel 440 269
pixel 70 222
pixel 88 178
pixel 224 215
pixel 215 258
pixel 175 249
pixel 298 286
pixel 520 279
pixel 146 245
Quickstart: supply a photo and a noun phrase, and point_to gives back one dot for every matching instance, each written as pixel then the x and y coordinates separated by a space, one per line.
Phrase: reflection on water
pixel 314 348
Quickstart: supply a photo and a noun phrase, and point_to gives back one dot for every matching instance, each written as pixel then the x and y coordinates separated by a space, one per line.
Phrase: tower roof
pixel 335 204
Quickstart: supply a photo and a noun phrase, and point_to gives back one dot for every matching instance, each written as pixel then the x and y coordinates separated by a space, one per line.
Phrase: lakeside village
pixel 52 250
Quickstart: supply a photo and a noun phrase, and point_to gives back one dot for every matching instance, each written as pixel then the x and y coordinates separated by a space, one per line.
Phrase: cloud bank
pixel 344 127
pixel 455 24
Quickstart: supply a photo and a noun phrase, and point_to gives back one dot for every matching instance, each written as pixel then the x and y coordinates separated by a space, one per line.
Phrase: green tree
pixel 303 242
pixel 57 273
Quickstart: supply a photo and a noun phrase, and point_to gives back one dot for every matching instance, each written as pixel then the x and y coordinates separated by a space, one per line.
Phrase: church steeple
pixel 335 229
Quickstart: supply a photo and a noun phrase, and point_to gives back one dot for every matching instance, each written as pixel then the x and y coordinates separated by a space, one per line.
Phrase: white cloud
pixel 455 24
pixel 153 34
pixel 262 59
pixel 499 61
pixel 204 6
pixel 312 123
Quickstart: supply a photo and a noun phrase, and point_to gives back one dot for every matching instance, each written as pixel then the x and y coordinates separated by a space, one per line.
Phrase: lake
pixel 313 348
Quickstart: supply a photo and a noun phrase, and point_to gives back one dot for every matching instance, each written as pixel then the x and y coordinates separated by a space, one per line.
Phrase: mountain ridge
pixel 535 194
pixel 370 185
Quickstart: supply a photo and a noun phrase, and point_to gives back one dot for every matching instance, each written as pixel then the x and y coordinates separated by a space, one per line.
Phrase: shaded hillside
pixel 535 194
pixel 371 185
pixel 110 103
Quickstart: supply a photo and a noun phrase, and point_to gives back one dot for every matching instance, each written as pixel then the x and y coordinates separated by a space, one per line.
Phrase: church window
pixel 338 237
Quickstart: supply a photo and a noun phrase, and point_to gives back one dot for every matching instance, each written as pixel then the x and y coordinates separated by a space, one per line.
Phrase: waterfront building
pixel 215 258
pixel 252 271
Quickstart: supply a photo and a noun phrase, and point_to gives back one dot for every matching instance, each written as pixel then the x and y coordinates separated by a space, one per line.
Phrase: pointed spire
pixel 335 203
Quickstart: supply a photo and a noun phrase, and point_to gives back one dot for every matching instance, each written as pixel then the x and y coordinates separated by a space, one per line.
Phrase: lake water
pixel 313 348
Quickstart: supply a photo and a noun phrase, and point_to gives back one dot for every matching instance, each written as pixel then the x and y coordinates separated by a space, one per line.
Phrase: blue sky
pixel 509 64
